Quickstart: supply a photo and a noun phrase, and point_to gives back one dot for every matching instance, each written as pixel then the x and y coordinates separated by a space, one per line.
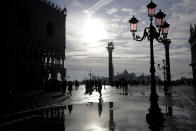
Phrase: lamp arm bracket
pixel 160 40
pixel 145 34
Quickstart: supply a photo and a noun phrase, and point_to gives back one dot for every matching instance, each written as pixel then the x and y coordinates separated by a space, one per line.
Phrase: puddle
pixel 106 116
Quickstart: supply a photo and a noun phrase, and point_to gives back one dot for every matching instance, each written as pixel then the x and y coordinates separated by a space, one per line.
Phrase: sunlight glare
pixel 97 128
pixel 94 30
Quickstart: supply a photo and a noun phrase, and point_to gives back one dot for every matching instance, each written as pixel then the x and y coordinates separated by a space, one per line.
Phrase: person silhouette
pixel 100 107
pixel 70 84
pixel 99 87
pixel 70 108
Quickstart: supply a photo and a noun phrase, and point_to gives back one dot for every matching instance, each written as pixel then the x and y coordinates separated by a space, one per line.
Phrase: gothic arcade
pixel 33 43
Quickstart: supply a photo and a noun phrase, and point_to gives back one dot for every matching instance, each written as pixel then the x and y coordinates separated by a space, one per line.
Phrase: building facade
pixel 34 42
pixel 192 41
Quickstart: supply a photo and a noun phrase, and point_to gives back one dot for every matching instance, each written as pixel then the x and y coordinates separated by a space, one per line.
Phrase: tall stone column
pixel 111 70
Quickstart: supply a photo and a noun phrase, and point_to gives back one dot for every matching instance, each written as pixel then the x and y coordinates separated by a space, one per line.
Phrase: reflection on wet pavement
pixel 107 116
pixel 115 110
pixel 109 112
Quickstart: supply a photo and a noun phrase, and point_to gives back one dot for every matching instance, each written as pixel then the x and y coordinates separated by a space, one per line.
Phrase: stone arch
pixel 59 76
pixel 49 76
pixel 50 59
pixel 45 55
pixel 50 55
pixel 61 61
pixel 45 59
pixel 53 57
pixel 57 60
pixel 53 73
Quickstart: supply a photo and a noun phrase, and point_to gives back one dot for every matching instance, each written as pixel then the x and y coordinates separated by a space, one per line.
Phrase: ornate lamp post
pixel 166 43
pixel 154 115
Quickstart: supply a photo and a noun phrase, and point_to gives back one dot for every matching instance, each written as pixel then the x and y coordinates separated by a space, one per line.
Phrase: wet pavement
pixel 118 110
pixel 90 112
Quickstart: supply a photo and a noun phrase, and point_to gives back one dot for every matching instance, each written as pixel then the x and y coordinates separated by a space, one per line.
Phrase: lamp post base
pixel 155 117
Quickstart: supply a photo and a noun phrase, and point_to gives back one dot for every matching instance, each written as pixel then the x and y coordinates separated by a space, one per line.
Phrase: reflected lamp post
pixel 158 33
pixel 163 67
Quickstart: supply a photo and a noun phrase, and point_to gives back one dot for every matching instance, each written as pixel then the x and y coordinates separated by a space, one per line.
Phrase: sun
pixel 93 30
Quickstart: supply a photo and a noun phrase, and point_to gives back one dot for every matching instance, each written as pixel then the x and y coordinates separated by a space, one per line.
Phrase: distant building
pixel 33 43
pixel 126 75
pixel 145 79
pixel 192 41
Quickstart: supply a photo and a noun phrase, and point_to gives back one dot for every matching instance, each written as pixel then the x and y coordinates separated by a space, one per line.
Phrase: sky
pixel 91 24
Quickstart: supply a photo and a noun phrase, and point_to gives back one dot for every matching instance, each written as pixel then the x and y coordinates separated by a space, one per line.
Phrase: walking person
pixel 99 87
pixel 70 108
pixel 100 107
pixel 70 84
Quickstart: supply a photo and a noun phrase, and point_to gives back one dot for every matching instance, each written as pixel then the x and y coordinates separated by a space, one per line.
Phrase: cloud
pixel 77 4
pixel 127 10
pixel 143 9
pixel 115 20
pixel 99 5
pixel 111 11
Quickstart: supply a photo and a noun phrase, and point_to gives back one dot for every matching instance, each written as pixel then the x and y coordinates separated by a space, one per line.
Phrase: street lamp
pixel 151 8
pixel 160 34
pixel 133 26
pixel 160 19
